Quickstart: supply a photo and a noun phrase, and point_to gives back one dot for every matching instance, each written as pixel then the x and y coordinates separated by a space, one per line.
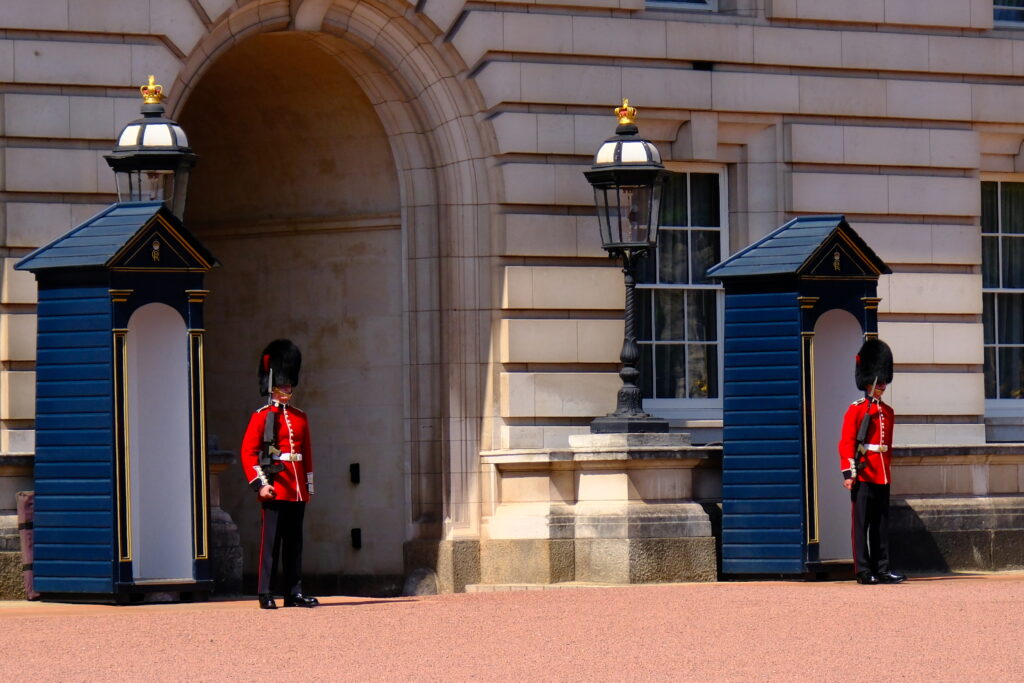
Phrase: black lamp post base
pixel 629 424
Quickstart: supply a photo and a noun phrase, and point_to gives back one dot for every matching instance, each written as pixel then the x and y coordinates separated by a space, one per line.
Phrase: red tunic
pixel 295 482
pixel 876 462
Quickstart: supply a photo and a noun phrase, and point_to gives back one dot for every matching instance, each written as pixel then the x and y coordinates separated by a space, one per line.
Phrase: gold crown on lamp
pixel 626 113
pixel 152 93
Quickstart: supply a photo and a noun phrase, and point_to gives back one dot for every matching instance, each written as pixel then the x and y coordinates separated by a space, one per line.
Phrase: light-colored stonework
pixel 411 175
pixel 612 508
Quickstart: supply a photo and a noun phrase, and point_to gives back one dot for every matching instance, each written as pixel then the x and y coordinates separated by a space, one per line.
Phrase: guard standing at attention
pixel 865 458
pixel 277 458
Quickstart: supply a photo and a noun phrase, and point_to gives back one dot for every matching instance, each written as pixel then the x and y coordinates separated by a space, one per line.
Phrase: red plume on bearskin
pixel 874 362
pixel 285 359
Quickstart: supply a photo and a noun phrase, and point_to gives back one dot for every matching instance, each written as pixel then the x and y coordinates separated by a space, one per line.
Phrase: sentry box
pixel 120 464
pixel 798 305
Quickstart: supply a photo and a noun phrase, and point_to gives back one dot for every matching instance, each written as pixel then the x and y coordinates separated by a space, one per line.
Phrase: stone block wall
pixel 876 110
pixel 890 111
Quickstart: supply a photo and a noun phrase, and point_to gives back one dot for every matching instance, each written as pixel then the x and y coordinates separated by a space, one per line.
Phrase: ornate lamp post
pixel 152 159
pixel 627 176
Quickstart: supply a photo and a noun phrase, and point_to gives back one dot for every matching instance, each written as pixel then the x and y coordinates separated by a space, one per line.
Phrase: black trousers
pixel 281 545
pixel 870 527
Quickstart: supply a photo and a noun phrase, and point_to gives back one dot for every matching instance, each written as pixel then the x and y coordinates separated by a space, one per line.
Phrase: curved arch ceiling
pixel 284 132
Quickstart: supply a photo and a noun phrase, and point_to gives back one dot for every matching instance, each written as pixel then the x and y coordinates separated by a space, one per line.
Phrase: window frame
pixel 690 409
pixel 1007 23
pixel 688 5
pixel 998 407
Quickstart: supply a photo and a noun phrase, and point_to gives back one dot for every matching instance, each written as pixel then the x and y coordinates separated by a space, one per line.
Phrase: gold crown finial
pixel 152 93
pixel 626 113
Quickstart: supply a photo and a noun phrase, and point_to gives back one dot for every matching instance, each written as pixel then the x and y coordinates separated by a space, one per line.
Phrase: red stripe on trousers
pixel 263 539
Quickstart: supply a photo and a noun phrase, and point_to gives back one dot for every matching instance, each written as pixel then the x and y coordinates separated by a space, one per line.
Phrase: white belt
pixel 874 447
pixel 289 457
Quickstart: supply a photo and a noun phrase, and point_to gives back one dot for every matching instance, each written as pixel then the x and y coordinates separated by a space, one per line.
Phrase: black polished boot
pixel 266 601
pixel 867 579
pixel 300 600
pixel 891 577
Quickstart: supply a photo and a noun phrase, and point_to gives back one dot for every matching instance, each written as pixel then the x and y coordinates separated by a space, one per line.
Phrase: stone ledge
pixel 640 520
pixel 546 458
pixel 16 464
pixel 640 441
pixel 958 513
pixel 967 454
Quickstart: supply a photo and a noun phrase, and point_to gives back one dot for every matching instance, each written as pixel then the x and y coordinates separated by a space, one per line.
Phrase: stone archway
pixel 369 183
pixel 297 194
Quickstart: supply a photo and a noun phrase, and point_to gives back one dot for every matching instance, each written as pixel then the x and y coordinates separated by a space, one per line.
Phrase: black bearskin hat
pixel 874 363
pixel 285 359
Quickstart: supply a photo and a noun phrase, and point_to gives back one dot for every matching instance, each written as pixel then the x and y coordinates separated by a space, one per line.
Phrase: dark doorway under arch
pixel 297 192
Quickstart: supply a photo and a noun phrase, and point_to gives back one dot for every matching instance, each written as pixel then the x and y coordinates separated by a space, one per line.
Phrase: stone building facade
pixel 398 187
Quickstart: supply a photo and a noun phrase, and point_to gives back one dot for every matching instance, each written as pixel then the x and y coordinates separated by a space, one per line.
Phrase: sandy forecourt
pixel 963 628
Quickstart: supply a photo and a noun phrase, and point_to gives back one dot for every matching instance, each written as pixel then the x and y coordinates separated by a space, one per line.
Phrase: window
pixel 1011 11
pixel 681 310
pixel 1002 240
pixel 710 5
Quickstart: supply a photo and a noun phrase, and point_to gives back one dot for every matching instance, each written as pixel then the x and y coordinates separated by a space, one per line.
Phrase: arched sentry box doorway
pixel 797 305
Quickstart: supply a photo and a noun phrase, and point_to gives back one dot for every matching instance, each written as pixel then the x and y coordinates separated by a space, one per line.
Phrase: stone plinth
pixel 225 542
pixel 612 508
pixel 977 533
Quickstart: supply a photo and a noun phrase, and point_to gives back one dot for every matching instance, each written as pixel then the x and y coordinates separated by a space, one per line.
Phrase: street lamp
pixel 152 159
pixel 627 176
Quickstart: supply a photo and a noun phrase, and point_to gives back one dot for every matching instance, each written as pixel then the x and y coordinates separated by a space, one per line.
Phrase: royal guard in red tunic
pixel 865 458
pixel 277 458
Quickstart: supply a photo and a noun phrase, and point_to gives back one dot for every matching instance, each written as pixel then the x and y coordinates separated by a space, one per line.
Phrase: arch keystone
pixel 309 15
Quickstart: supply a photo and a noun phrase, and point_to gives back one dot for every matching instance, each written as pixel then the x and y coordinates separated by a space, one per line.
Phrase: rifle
pixel 269 449
pixel 862 428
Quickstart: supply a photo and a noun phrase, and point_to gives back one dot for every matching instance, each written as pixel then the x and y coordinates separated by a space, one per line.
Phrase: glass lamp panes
pixel 624 213
pixel 144 185
pixel 679 330
pixel 1002 228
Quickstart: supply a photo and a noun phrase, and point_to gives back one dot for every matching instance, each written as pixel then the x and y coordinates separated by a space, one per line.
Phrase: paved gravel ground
pixel 960 628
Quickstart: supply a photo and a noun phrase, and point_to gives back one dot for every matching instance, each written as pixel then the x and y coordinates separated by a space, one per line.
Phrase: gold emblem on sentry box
pixel 835 261
pixel 155 254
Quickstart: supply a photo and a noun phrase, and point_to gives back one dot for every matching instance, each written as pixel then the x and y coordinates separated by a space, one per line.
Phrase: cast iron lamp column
pixel 627 176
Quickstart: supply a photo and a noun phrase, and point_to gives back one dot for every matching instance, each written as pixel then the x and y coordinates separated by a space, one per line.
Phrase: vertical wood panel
pixel 762 479
pixel 74 421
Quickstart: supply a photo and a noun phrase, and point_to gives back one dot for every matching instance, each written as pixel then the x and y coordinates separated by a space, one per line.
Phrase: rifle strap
pixel 271 467
pixel 270 427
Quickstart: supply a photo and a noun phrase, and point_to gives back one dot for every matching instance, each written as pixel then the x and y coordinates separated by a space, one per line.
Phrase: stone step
pixel 496 587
